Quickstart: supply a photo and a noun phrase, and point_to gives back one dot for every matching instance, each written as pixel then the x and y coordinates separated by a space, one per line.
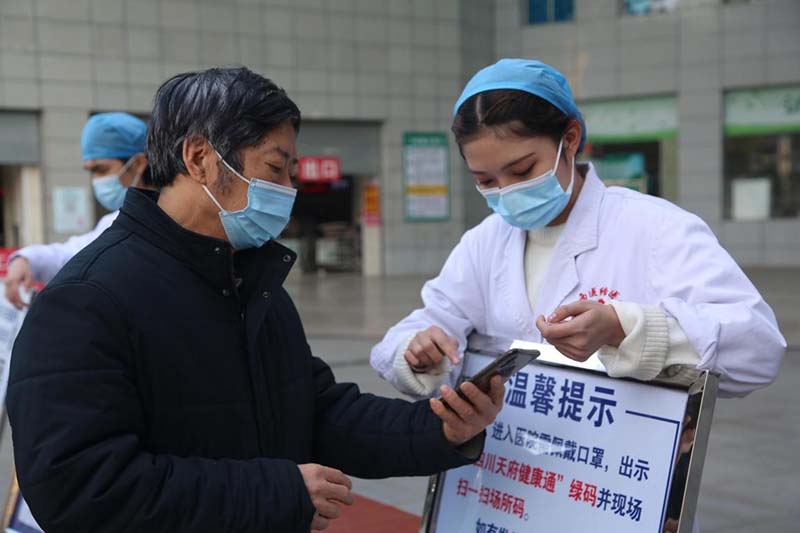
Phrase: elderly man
pixel 162 382
pixel 112 146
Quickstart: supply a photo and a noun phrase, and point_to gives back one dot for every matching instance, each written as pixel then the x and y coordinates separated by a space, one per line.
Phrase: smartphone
pixel 505 366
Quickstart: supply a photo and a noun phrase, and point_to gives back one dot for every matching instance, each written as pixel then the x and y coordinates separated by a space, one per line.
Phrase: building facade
pixel 705 94
pixel 693 100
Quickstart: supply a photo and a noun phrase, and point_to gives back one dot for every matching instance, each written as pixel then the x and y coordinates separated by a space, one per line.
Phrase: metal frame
pixel 702 396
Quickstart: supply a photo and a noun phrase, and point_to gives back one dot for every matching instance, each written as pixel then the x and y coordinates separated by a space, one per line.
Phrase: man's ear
pixel 199 158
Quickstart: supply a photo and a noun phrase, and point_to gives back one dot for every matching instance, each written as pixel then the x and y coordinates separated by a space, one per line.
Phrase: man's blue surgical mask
pixel 268 209
pixel 109 191
pixel 533 203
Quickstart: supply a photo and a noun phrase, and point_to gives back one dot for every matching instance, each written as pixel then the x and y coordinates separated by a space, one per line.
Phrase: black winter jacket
pixel 161 383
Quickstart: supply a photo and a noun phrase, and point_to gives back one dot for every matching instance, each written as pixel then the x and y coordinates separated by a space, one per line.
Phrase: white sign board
pixel 752 198
pixel 570 451
pixel 70 210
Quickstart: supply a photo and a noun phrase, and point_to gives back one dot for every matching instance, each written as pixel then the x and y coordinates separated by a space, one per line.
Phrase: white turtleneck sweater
pixel 655 345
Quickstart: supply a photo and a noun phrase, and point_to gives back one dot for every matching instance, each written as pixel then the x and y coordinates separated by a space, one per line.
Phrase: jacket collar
pixel 209 258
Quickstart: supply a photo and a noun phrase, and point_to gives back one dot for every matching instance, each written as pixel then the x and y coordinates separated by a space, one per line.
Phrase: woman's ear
pixel 572 138
pixel 198 158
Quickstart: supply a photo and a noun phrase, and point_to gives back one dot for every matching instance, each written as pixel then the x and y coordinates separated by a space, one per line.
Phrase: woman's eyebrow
pixel 511 164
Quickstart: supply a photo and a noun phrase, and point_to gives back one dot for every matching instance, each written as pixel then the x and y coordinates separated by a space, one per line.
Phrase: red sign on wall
pixel 5 253
pixel 371 205
pixel 318 169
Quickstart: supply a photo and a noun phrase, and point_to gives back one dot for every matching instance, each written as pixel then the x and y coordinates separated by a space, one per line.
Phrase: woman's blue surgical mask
pixel 533 203
pixel 268 209
pixel 109 191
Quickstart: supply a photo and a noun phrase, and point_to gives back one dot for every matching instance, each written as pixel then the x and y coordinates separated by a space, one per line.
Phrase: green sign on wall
pixel 426 175
pixel 637 119
pixel 762 111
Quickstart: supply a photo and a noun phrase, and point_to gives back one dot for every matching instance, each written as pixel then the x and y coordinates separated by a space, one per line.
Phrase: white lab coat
pixel 617 244
pixel 47 259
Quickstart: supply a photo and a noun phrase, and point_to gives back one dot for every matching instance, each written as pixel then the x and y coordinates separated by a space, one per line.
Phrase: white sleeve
pixel 451 301
pixel 47 259
pixel 655 346
pixel 418 384
pixel 726 321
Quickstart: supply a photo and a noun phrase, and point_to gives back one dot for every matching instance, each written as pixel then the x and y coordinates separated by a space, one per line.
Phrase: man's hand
pixel 428 348
pixel 19 275
pixel 468 416
pixel 592 326
pixel 329 490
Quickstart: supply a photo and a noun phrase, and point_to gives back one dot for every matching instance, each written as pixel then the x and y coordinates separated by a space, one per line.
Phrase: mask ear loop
pixel 231 168
pixel 127 166
pixel 222 209
pixel 571 178
pixel 558 154
pixel 572 171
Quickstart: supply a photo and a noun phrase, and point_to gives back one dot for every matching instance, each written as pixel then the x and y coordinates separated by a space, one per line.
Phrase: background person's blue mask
pixel 533 203
pixel 109 191
pixel 269 207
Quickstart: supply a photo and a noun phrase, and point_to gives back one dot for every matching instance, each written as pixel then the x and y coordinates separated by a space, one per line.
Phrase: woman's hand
pixel 579 329
pixel 428 348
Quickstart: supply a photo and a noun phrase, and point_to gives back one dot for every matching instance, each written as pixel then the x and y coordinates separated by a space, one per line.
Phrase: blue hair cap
pixel 113 136
pixel 530 76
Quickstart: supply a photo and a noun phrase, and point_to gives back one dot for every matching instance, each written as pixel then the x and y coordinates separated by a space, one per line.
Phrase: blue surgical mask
pixel 268 209
pixel 109 191
pixel 533 203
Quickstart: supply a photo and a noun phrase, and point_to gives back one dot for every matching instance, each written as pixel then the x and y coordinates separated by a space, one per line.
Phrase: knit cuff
pixel 643 352
pixel 420 384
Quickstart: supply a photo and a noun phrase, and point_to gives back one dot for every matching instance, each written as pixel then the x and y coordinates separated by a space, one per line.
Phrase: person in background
pixel 112 147
pixel 162 381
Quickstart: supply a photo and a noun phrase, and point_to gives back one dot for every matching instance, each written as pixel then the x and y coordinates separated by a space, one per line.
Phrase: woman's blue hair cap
pixel 530 76
pixel 113 136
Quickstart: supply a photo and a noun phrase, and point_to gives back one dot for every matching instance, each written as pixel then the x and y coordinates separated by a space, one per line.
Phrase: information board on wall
pixel 572 450
pixel 426 176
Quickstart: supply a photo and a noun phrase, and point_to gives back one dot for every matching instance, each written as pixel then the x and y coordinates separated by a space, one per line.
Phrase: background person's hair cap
pixel 526 75
pixel 113 136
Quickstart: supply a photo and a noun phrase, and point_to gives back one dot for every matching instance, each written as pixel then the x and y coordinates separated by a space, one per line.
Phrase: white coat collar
pixel 582 227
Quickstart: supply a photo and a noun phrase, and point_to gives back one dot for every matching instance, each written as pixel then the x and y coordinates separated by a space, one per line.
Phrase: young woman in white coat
pixel 597 272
